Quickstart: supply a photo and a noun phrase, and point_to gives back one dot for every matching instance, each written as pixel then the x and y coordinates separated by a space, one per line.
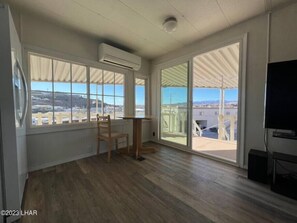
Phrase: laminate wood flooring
pixel 169 186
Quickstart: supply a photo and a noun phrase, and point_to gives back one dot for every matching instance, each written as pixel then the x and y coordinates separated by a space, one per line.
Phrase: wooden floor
pixel 169 186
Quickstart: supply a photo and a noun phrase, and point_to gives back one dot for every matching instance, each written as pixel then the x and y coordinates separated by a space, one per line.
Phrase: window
pixel 106 93
pixel 60 93
pixel 140 95
pixel 79 93
pixel 41 90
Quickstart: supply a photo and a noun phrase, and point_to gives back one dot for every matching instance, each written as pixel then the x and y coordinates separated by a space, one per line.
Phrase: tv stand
pixel 285 181
pixel 285 135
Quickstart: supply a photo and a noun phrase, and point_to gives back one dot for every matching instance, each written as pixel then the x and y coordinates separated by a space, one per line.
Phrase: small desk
pixel 137 136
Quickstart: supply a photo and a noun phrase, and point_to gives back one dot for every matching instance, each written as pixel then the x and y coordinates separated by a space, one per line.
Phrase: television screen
pixel 281 96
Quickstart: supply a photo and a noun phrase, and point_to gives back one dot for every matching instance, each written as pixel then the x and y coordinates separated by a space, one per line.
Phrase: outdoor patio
pixel 218 148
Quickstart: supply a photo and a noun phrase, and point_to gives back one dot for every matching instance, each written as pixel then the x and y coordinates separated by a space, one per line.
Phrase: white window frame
pixel 159 65
pixel 52 54
pixel 146 91
pixel 53 92
pixel 103 94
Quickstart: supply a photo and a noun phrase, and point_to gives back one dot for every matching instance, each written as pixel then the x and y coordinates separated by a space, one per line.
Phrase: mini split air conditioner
pixel 111 55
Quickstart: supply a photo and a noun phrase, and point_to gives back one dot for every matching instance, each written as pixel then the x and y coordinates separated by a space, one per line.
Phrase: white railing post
pixel 195 127
pixel 39 118
pixel 221 127
pixel 50 118
pixel 232 127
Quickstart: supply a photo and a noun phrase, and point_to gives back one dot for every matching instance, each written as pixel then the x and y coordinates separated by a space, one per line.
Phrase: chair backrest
pixel 103 123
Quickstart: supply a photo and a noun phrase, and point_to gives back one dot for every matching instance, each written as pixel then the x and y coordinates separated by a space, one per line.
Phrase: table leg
pixel 138 149
pixel 137 136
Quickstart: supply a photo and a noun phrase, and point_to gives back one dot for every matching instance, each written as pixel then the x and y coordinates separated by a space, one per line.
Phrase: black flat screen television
pixel 281 96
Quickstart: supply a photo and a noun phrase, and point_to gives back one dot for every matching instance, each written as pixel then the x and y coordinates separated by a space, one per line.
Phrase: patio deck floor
pixel 218 148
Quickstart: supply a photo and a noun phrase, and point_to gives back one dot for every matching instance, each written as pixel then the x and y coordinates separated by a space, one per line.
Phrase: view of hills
pixel 42 101
pixel 211 103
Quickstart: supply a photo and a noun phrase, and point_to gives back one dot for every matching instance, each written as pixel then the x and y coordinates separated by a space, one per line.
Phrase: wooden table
pixel 137 136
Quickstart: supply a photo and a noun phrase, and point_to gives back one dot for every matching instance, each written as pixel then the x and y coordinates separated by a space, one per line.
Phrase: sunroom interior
pixel 200 91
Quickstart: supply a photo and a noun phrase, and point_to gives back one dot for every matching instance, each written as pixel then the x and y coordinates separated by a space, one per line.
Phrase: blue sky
pixel 139 95
pixel 179 95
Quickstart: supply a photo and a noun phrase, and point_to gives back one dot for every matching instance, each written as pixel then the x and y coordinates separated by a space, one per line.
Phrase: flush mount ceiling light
pixel 170 24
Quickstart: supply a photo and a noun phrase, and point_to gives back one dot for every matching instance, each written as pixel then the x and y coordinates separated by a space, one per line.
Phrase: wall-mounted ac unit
pixel 111 55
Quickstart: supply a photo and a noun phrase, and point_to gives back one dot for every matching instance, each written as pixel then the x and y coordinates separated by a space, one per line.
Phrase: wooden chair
pixel 105 134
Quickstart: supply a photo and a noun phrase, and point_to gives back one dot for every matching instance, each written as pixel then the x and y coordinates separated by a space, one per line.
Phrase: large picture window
pixel 60 92
pixel 106 93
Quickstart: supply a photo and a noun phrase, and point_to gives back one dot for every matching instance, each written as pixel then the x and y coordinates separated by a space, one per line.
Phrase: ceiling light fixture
pixel 170 24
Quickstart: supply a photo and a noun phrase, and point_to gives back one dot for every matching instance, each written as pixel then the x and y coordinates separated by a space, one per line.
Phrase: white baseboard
pixel 57 162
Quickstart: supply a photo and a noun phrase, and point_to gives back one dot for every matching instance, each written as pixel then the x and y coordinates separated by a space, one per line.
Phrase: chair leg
pixel 109 150
pixel 98 146
pixel 128 145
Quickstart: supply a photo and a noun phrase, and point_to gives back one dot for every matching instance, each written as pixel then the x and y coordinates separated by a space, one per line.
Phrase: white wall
pixel 38 32
pixel 283 47
pixel 47 148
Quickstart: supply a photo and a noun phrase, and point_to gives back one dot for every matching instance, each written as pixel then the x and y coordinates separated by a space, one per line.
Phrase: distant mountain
pixel 207 102
pixel 212 102
pixel 41 98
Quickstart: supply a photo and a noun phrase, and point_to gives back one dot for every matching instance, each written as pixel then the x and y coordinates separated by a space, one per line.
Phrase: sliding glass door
pixel 202 103
pixel 215 102
pixel 174 104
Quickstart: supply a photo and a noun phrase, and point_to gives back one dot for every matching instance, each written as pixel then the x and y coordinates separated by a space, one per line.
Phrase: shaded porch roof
pixel 214 69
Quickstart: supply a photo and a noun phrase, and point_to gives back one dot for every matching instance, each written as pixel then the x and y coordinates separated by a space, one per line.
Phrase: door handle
pixel 25 108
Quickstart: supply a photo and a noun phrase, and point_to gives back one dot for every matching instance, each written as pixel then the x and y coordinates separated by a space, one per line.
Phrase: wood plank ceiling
pixel 137 24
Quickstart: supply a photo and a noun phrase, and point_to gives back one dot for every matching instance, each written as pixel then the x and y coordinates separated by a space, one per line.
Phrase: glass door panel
pixel 215 102
pixel 174 104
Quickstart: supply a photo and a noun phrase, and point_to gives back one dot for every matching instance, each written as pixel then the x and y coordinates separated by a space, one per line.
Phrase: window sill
pixel 68 127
